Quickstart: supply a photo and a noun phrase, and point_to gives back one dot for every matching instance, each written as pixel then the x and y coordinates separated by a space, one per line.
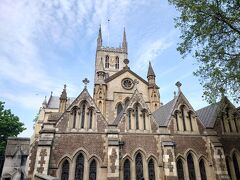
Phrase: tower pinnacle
pixel 124 42
pixel 99 39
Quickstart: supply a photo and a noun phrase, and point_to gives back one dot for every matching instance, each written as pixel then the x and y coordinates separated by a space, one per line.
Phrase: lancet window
pixel 107 61
pixel 202 170
pixel 151 170
pixel 180 171
pixel 139 167
pixel 117 63
pixel 127 171
pixel 79 170
pixel 93 170
pixel 65 170
pixel 191 168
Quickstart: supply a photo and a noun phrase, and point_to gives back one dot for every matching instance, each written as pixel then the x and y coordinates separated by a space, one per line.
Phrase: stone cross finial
pixel 126 61
pixel 135 82
pixel 85 82
pixel 178 84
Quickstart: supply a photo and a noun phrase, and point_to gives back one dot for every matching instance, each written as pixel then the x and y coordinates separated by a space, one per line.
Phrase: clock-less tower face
pixel 127 83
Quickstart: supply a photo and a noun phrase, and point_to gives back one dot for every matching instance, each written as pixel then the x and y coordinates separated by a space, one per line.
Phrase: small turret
pixel 151 75
pixel 100 73
pixel 63 100
pixel 124 42
pixel 99 39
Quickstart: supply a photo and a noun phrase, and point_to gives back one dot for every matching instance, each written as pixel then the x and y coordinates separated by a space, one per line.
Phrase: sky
pixel 46 44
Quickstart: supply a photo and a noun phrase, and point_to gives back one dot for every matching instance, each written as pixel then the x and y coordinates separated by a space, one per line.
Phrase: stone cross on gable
pixel 135 82
pixel 85 82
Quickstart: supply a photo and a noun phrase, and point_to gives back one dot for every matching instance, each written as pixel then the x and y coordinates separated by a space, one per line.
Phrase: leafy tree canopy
pixel 9 126
pixel 210 31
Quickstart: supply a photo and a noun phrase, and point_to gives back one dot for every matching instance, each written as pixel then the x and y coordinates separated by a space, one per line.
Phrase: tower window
pixel 107 62
pixel 117 63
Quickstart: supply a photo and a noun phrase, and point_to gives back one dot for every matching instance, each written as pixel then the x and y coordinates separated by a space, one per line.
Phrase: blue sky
pixel 45 44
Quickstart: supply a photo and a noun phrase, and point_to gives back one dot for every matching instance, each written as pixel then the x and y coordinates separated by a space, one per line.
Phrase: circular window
pixel 127 83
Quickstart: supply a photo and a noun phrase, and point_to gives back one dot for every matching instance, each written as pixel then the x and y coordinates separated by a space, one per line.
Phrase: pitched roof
pixel 163 114
pixel 126 69
pixel 208 114
pixel 54 101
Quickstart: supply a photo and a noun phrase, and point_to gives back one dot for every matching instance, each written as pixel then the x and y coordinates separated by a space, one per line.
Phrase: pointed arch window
pixel 151 170
pixel 107 61
pixel 236 166
pixel 183 118
pixel 127 171
pixel 74 117
pixel 180 171
pixel 83 114
pixel 79 171
pixel 228 167
pixel 223 124
pixel 235 121
pixel 93 170
pixel 176 116
pixel 190 120
pixel 136 116
pixel 119 108
pixel 191 168
pixel 139 167
pixel 117 63
pixel 144 119
pixel 90 118
pixel 127 102
pixel 129 119
pixel 202 170
pixel 65 170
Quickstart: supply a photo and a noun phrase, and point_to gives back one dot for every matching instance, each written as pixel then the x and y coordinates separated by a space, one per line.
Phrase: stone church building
pixel 124 132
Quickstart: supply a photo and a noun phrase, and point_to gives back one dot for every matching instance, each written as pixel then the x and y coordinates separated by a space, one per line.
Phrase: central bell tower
pixel 109 60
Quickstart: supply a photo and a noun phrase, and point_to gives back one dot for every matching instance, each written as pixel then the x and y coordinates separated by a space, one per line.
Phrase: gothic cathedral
pixel 124 132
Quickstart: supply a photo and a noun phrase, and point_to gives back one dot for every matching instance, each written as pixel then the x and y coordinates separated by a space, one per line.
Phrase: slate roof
pixel 54 101
pixel 208 114
pixel 162 115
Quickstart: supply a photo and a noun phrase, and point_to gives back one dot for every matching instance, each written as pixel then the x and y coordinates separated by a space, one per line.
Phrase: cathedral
pixel 124 132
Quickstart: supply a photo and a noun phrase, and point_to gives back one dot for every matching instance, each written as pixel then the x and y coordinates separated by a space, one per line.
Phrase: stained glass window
pixel 139 167
pixel 151 170
pixel 65 170
pixel 180 171
pixel 236 166
pixel 191 169
pixel 93 170
pixel 127 171
pixel 202 170
pixel 79 167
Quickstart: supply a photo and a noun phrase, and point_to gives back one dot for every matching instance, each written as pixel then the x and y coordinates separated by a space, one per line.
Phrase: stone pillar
pixel 219 161
pixel 169 164
pixel 113 153
pixel 44 149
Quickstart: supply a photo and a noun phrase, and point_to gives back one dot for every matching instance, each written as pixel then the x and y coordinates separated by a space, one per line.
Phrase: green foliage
pixel 210 31
pixel 9 126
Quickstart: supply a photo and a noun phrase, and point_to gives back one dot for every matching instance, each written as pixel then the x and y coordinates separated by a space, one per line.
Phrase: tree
pixel 9 126
pixel 210 31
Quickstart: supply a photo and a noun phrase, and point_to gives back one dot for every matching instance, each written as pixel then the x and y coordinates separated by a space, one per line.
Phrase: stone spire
pixel 124 42
pixel 63 100
pixel 150 70
pixel 151 75
pixel 99 39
